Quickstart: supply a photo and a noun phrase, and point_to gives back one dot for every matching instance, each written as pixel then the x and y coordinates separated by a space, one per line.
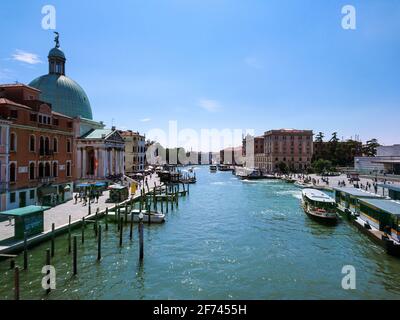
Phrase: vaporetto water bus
pixel 319 206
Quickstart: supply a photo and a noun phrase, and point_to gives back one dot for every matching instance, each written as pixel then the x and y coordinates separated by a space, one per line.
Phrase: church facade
pixel 99 152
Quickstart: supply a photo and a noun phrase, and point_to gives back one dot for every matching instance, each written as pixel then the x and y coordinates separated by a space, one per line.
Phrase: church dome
pixel 65 95
pixel 56 52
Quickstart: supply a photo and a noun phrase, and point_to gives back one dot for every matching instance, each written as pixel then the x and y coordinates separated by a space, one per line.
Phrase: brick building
pixel 38 156
pixel 290 146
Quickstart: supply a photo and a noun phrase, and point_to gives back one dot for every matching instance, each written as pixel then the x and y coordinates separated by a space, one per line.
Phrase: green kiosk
pixel 28 219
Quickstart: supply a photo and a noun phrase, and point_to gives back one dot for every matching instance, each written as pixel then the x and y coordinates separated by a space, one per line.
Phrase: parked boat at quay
pixel 155 217
pixel 319 206
pixel 249 174
pixel 213 168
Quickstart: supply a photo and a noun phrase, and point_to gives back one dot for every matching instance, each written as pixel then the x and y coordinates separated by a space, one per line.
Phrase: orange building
pixel 40 149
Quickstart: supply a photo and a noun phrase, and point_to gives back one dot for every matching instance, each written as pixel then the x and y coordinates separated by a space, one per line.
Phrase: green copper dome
pixel 64 94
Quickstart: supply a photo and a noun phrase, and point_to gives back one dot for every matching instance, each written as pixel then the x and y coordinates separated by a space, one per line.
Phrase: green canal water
pixel 229 239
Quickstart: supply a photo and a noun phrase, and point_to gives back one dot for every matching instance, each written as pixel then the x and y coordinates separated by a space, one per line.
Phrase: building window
pixel 47 145
pixel 69 147
pixel 31 171
pixel 47 170
pixel 55 169
pixel 41 170
pixel 55 145
pixel 32 194
pixel 41 146
pixel 13 142
pixel 12 197
pixel 13 172
pixel 55 122
pixel 32 140
pixel 33 117
pixel 68 168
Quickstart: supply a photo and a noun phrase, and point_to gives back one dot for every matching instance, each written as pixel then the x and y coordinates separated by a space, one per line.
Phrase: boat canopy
pixel 317 195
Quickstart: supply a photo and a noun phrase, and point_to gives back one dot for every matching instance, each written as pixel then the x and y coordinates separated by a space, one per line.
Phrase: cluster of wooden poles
pixel 170 196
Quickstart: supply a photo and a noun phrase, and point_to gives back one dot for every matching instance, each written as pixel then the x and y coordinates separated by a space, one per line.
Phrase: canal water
pixel 229 239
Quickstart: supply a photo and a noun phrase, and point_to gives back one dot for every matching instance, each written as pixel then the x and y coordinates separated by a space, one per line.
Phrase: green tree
pixel 369 149
pixel 319 137
pixel 283 167
pixel 322 165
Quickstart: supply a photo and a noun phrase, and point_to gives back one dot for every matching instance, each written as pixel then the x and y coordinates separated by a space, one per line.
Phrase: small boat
pixel 191 169
pixel 213 168
pixel 224 167
pixel 319 206
pixel 155 217
pixel 302 185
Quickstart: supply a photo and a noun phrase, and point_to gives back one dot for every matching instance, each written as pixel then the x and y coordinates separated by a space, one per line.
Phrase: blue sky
pixel 220 63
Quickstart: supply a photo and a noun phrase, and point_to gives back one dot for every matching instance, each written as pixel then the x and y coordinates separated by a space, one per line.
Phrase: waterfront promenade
pixel 333 181
pixel 59 215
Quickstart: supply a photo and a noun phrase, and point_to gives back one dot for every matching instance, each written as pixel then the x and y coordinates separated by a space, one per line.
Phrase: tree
pixel 283 167
pixel 322 165
pixel 369 149
pixel 319 137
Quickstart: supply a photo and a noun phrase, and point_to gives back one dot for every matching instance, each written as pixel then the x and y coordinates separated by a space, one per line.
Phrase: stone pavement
pixel 59 215
pixel 333 182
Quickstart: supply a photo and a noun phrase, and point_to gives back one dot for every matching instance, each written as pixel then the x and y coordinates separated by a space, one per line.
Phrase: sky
pixel 219 64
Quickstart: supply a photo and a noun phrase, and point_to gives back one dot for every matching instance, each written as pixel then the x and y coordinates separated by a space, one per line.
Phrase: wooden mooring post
pixel 106 219
pixel 83 230
pixel 69 235
pixel 131 227
pixel 141 249
pixel 16 283
pixel 75 257
pixel 99 244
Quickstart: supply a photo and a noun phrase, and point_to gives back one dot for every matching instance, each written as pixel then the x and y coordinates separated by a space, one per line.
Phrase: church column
pixel 84 162
pixel 78 169
pixel 97 162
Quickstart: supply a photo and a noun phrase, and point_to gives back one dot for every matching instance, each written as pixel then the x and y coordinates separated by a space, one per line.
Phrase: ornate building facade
pixel 36 149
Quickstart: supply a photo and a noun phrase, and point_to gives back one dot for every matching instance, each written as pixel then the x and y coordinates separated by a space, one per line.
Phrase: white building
pixel 387 160
pixel 100 153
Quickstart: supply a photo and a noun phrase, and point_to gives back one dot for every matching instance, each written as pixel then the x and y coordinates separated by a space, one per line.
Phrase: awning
pixel 24 211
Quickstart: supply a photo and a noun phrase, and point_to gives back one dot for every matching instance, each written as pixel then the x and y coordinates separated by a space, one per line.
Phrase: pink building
pixel 290 146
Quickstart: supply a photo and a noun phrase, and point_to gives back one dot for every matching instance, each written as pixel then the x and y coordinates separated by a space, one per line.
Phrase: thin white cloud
pixel 210 105
pixel 145 120
pixel 26 57
pixel 253 62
